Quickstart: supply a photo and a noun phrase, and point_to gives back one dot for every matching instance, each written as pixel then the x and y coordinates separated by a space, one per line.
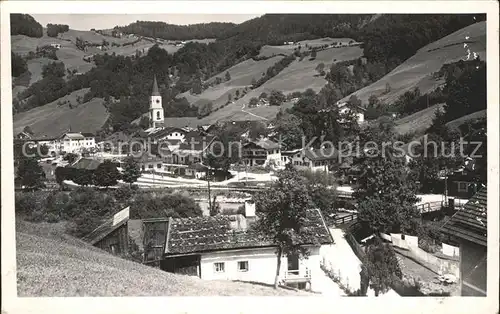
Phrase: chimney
pixel 238 222
pixel 249 209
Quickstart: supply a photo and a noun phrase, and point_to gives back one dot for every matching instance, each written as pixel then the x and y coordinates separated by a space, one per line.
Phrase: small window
pixel 462 187
pixel 114 248
pixel 150 166
pixel 219 267
pixel 158 166
pixel 243 266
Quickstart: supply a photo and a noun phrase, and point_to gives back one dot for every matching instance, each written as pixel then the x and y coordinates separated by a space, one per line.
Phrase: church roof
pixel 155 88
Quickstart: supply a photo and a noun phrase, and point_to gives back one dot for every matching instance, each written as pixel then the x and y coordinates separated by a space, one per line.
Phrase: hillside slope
pixel 417 71
pixel 418 122
pixel 50 263
pixel 73 57
pixel 52 120
pixel 298 76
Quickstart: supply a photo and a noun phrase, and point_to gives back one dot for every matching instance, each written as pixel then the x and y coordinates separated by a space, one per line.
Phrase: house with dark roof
pixel 468 227
pixel 262 152
pixel 225 247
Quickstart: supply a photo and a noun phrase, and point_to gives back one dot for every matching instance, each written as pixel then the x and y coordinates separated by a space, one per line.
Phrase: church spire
pixel 155 88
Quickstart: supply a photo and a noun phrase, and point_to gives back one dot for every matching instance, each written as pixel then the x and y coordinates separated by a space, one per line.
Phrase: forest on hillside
pixel 25 24
pixel 176 32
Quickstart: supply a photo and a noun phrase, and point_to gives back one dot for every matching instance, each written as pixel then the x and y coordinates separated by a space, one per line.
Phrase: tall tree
pixel 380 266
pixel 386 189
pixel 30 174
pixel 131 170
pixel 276 98
pixel 106 174
pixel 282 213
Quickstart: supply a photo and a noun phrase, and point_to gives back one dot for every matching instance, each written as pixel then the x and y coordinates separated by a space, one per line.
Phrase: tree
pixel 276 98
pixel 386 194
pixel 19 65
pixel 354 101
pixel 106 174
pixel 131 170
pixel 282 211
pixel 288 130
pixel 237 93
pixel 85 177
pixel 387 88
pixel 70 157
pixel 30 174
pixel 214 207
pixel 54 69
pixel 229 97
pixel 28 130
pixel 263 95
pixel 228 76
pixel 380 266
pixel 253 102
pixel 144 122
pixel 320 68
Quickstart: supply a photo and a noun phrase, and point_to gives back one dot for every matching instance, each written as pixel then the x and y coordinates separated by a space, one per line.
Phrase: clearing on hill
pixel 241 74
pixel 418 122
pixel 53 264
pixel 478 115
pixel 54 119
pixel 298 76
pixel 418 70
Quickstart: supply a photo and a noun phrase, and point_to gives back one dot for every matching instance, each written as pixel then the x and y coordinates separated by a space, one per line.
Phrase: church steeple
pixel 155 88
pixel 156 114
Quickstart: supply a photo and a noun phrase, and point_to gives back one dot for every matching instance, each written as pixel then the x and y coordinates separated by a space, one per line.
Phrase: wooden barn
pixel 112 235
pixel 468 227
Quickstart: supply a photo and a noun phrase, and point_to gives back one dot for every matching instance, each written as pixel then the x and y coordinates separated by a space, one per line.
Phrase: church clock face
pixel 157 101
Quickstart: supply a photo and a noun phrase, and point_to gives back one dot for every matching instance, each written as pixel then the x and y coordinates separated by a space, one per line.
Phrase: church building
pixel 156 114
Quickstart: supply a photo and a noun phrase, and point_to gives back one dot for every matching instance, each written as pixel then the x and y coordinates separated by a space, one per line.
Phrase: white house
pixel 262 153
pixel 57 46
pixel 75 142
pixel 223 247
pixel 314 159
pixel 345 107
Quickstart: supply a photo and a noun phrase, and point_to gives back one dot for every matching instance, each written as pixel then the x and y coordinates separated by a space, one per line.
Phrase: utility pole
pixel 209 197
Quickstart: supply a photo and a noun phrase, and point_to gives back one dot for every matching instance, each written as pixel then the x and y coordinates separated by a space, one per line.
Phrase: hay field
pixel 52 120
pixel 298 76
pixel 418 122
pixel 417 71
pixel 241 77
pixel 470 117
pixel 269 50
pixel 53 264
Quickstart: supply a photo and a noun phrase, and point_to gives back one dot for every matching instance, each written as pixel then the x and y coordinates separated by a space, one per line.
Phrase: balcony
pixel 295 276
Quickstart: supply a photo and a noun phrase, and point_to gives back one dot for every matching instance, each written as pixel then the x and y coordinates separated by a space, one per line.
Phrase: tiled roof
pixel 470 222
pixel 321 154
pixel 266 143
pixel 108 226
pixel 87 134
pixel 87 163
pixel 74 136
pixel 200 234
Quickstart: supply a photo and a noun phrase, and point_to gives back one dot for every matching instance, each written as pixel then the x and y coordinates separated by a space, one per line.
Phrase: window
pixel 114 248
pixel 243 266
pixel 462 187
pixel 157 113
pixel 150 166
pixel 158 166
pixel 219 267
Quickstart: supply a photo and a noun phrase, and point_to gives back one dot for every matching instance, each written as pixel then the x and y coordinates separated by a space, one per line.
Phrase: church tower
pixel 156 117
